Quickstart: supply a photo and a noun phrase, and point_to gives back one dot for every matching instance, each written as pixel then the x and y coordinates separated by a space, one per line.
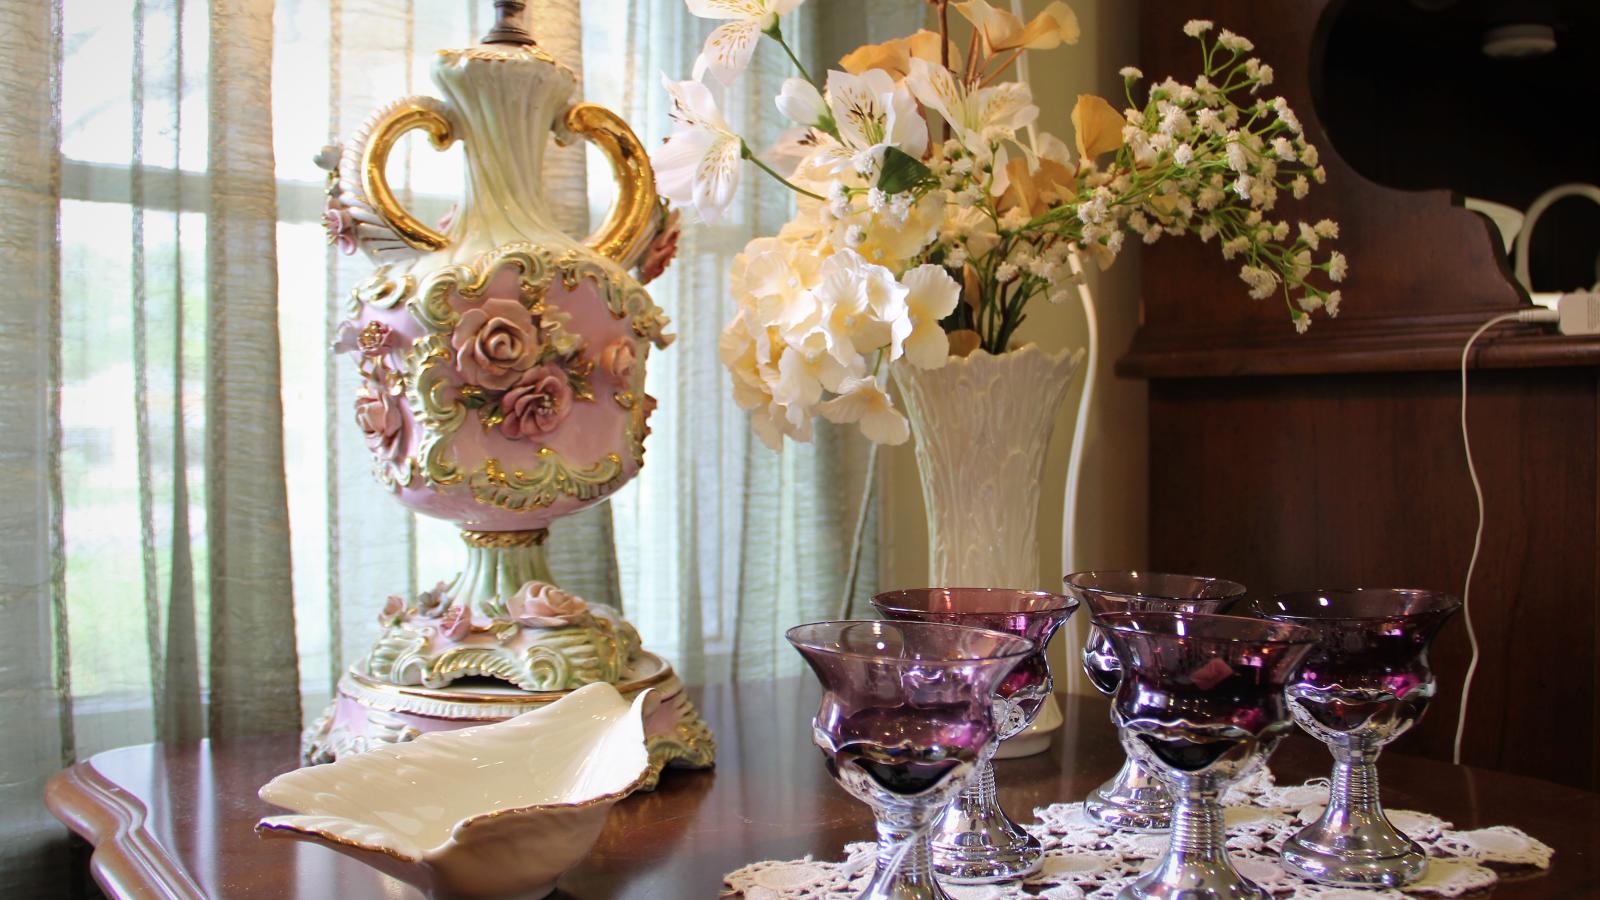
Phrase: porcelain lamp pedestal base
pixel 368 713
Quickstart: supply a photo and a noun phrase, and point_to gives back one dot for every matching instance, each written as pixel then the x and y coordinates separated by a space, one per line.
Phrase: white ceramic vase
pixel 982 425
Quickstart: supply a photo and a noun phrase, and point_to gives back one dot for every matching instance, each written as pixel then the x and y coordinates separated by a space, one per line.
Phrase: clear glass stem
pixel 1353 796
pixel 1197 829
pixel 980 794
pixel 905 862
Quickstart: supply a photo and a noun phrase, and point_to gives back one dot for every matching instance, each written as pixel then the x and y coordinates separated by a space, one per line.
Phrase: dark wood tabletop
pixel 178 821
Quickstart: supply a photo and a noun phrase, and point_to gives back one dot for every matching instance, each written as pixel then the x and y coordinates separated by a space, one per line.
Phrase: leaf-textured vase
pixel 982 424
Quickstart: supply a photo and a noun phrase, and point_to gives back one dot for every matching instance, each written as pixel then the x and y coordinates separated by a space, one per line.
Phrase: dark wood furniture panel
pixel 1359 480
pixel 177 821
pixel 1335 459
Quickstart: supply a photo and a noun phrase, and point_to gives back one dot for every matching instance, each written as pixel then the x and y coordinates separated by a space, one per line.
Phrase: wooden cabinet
pixel 1335 458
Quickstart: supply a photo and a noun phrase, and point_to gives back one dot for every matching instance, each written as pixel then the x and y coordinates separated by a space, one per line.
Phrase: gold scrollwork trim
pixel 413 699
pixel 623 296
pixel 431 306
pixel 505 539
pixel 550 479
pixel 430 398
pixel 382 292
pixel 505 53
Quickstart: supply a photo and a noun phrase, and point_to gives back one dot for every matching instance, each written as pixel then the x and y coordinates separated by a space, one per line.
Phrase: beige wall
pixel 1112 510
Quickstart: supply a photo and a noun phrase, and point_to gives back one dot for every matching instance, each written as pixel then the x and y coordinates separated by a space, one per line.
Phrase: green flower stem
pixel 777 35
pixel 744 152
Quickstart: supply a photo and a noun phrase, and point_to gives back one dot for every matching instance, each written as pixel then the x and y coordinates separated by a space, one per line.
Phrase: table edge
pixel 128 860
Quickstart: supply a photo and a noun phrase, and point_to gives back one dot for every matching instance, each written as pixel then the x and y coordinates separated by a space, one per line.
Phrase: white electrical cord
pixel 1526 315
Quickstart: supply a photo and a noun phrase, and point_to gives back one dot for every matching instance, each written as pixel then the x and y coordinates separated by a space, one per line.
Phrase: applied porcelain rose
pixel 487 812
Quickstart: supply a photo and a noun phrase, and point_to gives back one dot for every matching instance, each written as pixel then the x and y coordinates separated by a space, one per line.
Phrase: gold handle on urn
pixel 631 221
pixel 397 119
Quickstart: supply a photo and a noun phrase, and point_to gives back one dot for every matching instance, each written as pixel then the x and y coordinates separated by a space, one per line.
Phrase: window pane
pixel 303 345
pixel 300 87
pixel 97 108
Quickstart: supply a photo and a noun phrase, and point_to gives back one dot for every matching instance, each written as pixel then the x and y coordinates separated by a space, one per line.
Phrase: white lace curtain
pixel 190 539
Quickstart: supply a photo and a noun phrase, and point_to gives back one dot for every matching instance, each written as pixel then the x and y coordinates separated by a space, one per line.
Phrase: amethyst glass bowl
pixel 1201 703
pixel 975 841
pixel 906 716
pixel 1134 799
pixel 1365 683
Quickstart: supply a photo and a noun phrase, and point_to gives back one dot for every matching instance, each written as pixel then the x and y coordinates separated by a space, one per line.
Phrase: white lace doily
pixel 1084 859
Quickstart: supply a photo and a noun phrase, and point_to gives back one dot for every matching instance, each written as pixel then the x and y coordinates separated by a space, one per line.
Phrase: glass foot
pixel 975 842
pixel 1133 800
pixel 1195 881
pixel 1354 860
pixel 987 857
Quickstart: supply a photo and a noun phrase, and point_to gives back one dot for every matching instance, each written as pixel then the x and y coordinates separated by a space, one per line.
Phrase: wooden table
pixel 178 821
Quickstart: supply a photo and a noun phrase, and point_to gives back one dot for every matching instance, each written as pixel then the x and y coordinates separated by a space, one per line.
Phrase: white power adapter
pixel 1573 312
pixel 1579 313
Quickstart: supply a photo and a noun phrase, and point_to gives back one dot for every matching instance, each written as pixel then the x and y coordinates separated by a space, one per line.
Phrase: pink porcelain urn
pixel 503 366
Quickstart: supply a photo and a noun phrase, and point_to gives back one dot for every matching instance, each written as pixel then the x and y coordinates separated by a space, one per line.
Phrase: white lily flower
pixel 802 103
pixel 862 400
pixel 931 295
pixel 1005 106
pixel 872 114
pixel 699 163
pixel 728 48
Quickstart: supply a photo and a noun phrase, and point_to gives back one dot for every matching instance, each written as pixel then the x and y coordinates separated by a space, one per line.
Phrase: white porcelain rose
pixel 538 604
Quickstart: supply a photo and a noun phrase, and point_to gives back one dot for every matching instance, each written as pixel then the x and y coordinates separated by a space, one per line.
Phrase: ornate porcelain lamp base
pixel 368 712
pixel 498 641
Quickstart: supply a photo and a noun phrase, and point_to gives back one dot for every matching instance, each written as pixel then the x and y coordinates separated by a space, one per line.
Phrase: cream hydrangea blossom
pixel 904 249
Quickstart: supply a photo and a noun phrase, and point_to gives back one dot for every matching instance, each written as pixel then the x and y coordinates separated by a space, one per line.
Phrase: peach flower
pixel 618 358
pixel 382 422
pixel 542 605
pixel 538 404
pixel 429 601
pixel 495 343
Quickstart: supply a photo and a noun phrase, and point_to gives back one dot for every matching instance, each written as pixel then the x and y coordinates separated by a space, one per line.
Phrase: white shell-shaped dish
pixel 496 810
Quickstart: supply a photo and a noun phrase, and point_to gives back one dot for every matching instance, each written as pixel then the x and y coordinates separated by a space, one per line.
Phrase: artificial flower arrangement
pixel 931 210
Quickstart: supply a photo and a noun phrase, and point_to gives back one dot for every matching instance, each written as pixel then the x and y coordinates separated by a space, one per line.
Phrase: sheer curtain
pixel 190 538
